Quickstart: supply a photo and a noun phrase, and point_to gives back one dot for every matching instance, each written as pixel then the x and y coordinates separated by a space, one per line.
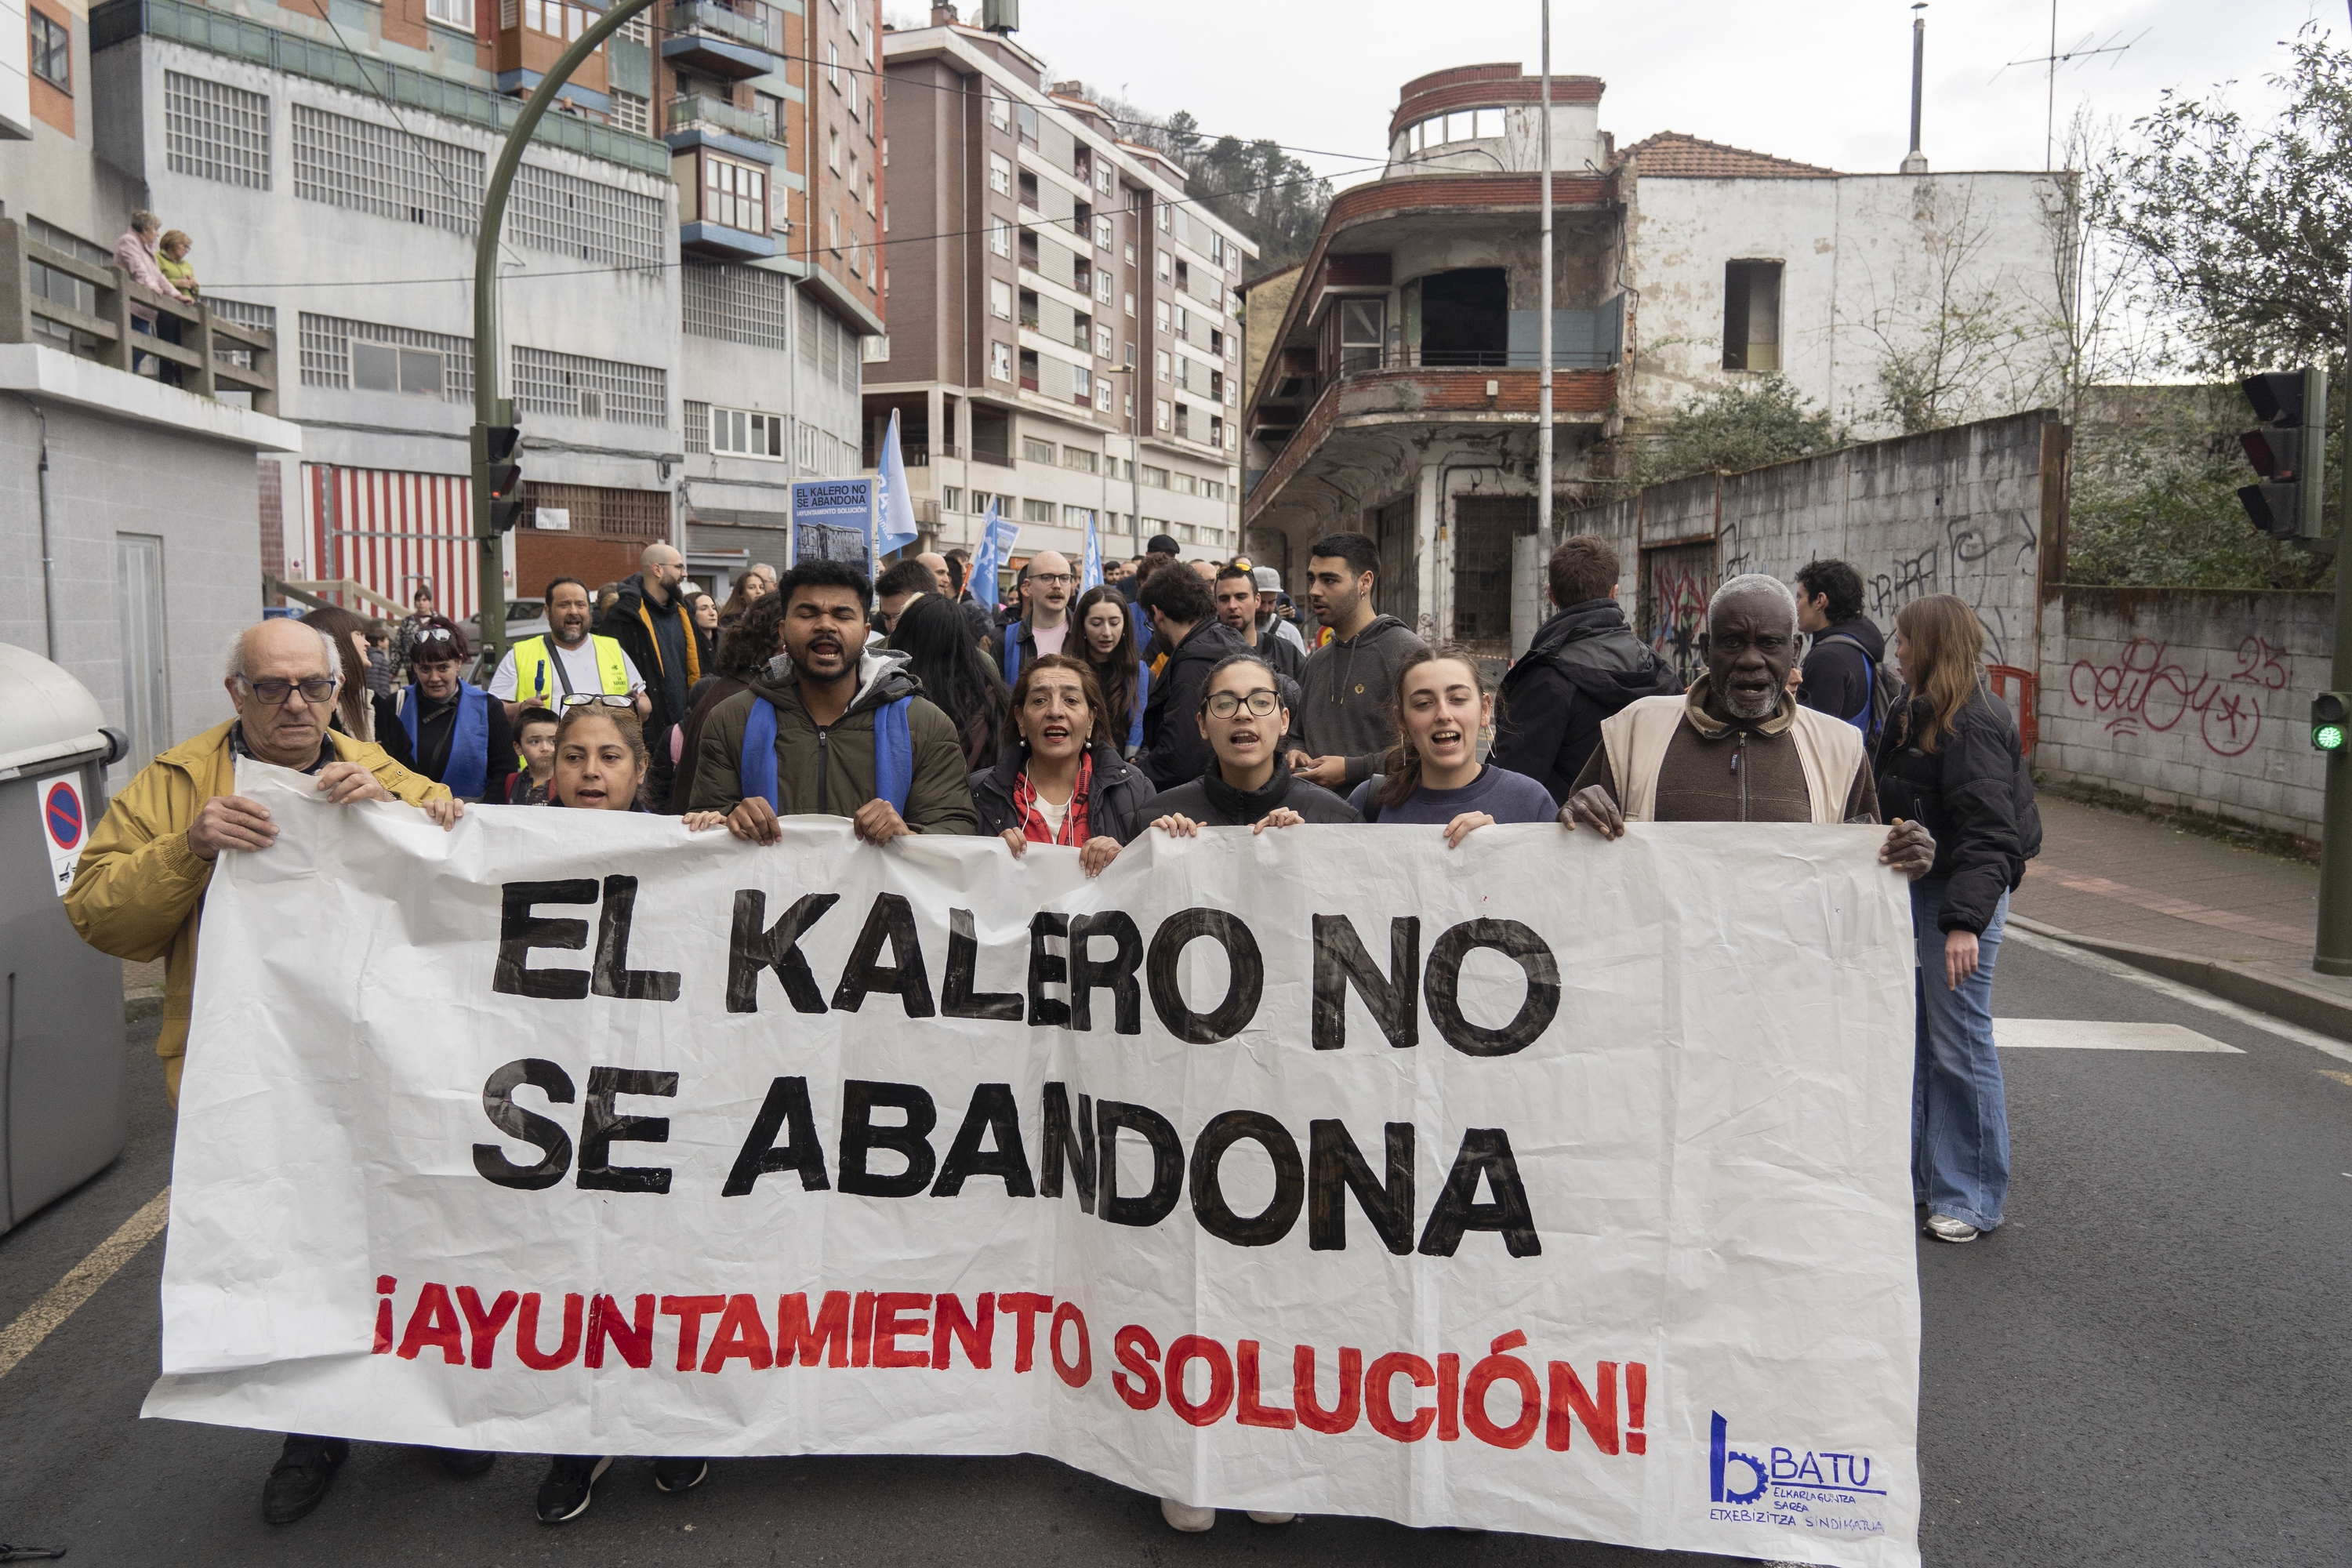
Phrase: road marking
pixel 2179 992
pixel 2163 904
pixel 2088 1034
pixel 81 1282
pixel 2343 1078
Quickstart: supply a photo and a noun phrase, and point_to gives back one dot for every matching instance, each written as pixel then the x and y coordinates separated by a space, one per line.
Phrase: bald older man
pixel 1047 584
pixel 650 623
pixel 937 566
pixel 1736 747
pixel 139 890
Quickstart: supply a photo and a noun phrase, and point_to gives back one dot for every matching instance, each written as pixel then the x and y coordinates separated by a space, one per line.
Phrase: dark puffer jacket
pixel 1210 801
pixel 1974 793
pixel 1115 802
pixel 1584 665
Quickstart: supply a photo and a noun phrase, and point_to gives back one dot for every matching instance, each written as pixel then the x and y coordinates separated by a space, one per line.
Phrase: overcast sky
pixel 1824 81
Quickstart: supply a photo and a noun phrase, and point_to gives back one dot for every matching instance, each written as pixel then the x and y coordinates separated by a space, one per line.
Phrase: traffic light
pixel 2291 404
pixel 502 476
pixel 2331 721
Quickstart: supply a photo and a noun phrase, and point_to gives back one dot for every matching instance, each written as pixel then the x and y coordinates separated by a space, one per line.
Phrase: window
pixel 833 151
pixel 217 133
pixel 1160 314
pixel 1183 323
pixel 1103 182
pixel 1361 323
pixel 747 435
pixel 1028 370
pixel 1166 262
pixel 734 195
pixel 368 356
pixel 696 417
pixel 1000 175
pixel 1028 307
pixel 1037 511
pixel 1184 276
pixel 1079 518
pixel 1102 342
pixel 1461 126
pixel 635 114
pixel 1160 360
pixel 1102 394
pixel 998 115
pixel 1028 198
pixel 1751 315
pixel 1212 489
pixel 457 14
pixel 52 52
pixel 546 381
pixel 1183 423
pixel 387 367
pixel 1130 304
pixel 1026 114
pixel 1102 233
pixel 1082 386
pixel 1082 458
pixel 832 66
pixel 950 497
pixel 1163 222
pixel 1157 478
pixel 1000 237
pixel 1032 451
pixel 1000 361
pixel 999 299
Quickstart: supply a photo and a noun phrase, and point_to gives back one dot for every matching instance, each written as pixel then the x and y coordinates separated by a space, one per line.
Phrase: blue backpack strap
pixel 1142 696
pixel 894 755
pixel 467 772
pixel 755 770
pixel 1013 652
pixel 408 720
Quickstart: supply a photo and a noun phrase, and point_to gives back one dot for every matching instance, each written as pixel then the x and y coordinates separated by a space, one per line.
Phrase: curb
pixel 2310 1004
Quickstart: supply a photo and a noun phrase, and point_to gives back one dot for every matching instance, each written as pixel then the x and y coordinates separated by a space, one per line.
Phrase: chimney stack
pixel 1915 162
pixel 943 15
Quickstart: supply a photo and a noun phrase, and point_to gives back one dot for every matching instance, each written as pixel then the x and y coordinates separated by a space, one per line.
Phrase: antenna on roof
pixel 1915 162
pixel 2052 61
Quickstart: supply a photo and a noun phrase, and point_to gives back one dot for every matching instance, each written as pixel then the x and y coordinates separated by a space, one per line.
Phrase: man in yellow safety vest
pixel 567 665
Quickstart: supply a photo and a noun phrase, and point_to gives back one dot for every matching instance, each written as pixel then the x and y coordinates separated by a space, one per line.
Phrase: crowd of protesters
pixel 1171 697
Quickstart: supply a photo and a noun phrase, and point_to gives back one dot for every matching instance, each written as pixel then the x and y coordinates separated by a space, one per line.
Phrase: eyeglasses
pixel 582 698
pixel 1051 577
pixel 1225 704
pixel 433 634
pixel 273 693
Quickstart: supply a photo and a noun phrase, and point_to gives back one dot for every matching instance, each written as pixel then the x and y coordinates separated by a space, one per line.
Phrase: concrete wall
pixel 195 488
pixel 2190 700
pixel 1869 261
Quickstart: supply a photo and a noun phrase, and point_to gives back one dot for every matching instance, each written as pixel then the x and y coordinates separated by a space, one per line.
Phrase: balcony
pixel 718 41
pixel 85 308
pixel 698 112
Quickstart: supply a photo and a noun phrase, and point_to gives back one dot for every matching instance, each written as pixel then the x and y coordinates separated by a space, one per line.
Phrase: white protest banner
pixel 1545 1185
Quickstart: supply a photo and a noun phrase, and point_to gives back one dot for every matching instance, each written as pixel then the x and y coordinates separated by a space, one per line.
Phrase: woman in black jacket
pixel 1062 781
pixel 1249 782
pixel 1950 759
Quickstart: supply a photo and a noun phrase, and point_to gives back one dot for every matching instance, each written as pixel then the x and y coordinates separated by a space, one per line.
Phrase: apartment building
pixel 1399 392
pixel 330 166
pixel 1064 331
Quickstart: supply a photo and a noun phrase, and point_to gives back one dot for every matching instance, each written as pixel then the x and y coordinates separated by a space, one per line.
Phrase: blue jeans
pixel 1960 1118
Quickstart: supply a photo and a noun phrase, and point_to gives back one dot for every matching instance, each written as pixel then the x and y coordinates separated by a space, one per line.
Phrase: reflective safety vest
pixel 540 677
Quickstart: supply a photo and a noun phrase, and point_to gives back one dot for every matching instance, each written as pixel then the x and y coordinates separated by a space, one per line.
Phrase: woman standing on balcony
pixel 135 251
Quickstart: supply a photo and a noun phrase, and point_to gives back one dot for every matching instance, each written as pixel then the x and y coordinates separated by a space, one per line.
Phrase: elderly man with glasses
pixel 139 890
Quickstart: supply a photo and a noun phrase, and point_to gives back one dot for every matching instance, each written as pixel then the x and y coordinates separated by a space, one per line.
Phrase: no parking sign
pixel 65 826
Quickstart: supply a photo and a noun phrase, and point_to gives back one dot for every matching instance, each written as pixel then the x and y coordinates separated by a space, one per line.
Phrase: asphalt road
pixel 2146 1366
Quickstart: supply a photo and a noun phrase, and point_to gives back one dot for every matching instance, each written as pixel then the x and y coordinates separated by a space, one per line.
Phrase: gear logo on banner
pixel 1809 1488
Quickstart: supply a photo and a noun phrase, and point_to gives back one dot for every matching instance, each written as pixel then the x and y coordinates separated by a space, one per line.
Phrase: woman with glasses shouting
pixel 1246 784
pixel 457 735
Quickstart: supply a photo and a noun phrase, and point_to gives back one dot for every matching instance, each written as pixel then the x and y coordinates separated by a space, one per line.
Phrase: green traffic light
pixel 2327 737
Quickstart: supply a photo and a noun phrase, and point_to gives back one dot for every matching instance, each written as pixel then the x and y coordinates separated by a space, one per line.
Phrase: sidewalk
pixel 2201 909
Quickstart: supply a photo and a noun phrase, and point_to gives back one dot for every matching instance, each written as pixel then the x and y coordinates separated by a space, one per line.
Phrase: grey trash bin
pixel 63 1116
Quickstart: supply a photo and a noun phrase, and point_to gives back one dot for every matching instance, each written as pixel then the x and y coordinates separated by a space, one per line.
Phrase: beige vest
pixel 1637 735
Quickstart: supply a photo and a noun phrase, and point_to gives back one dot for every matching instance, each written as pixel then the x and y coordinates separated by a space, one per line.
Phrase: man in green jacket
pixel 832 729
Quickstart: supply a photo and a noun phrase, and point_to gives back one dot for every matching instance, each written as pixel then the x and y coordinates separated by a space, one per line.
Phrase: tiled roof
pixel 1674 155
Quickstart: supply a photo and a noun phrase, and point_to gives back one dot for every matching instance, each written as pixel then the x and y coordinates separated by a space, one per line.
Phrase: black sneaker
pixel 305 1470
pixel 680 1475
pixel 571 1482
pixel 465 1463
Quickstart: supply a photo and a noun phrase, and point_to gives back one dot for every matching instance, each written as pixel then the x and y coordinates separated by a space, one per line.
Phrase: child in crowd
pixel 535 738
pixel 1432 775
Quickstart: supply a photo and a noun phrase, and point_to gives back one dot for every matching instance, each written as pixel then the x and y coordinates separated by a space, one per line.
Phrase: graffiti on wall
pixel 1978 560
pixel 1677 583
pixel 2144 690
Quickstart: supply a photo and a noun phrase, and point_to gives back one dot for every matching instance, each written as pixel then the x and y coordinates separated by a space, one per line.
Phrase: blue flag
pixel 1091 574
pixel 996 536
pixel 894 517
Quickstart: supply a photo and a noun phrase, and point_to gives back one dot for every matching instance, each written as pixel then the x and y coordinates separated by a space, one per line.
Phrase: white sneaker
pixel 1944 1227
pixel 1183 1516
pixel 1258 1518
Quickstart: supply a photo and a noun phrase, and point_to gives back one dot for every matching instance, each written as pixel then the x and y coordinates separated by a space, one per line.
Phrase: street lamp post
pixel 490 410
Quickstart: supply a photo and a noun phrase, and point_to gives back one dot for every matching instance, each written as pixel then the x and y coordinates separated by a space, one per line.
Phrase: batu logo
pixel 1738 1478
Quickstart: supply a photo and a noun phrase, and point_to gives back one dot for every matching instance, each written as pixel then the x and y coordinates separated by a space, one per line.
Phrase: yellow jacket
pixel 139 890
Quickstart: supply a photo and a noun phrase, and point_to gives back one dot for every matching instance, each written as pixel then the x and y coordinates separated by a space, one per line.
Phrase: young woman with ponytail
pixel 1432 775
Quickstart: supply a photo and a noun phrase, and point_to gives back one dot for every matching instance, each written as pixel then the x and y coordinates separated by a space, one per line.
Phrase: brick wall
pixel 2190 700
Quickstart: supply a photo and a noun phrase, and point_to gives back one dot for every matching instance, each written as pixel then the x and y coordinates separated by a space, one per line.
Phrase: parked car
pixel 525 619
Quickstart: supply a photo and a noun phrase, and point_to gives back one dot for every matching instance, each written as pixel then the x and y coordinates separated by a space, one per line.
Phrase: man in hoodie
pixel 1349 686
pixel 1584 664
pixel 1847 650
pixel 649 621
pixel 1046 584
pixel 1192 639
pixel 834 728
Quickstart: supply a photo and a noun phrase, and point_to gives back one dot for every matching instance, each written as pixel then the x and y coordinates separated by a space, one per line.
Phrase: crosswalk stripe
pixel 61 1300
pixel 2101 1035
